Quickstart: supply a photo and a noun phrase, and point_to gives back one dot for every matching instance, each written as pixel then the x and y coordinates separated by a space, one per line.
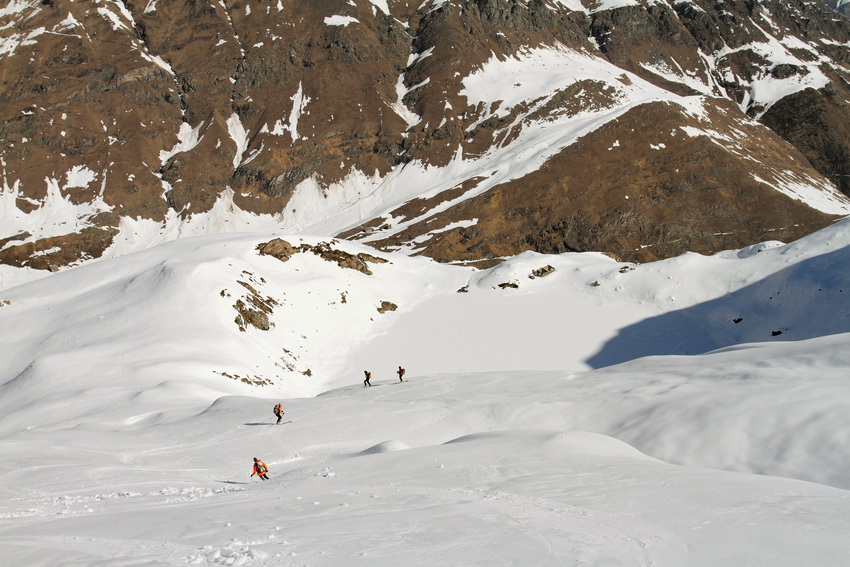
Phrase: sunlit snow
pixel 340 20
pixel 693 411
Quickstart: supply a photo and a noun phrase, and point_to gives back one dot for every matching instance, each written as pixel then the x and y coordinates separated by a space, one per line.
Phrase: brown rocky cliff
pixel 636 194
pixel 167 106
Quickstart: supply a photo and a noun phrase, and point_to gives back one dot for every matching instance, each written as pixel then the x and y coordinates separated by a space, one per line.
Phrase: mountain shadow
pixel 808 299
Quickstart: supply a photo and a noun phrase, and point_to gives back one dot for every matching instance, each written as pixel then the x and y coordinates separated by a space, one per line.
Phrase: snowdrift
pixel 564 410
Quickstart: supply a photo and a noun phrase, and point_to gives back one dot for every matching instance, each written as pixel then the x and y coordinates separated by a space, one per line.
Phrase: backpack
pixel 261 468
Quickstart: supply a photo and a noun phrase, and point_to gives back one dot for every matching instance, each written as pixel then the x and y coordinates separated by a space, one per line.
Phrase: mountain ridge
pixel 398 114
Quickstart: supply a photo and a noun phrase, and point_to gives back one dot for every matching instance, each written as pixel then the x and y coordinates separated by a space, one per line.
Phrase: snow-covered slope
pixel 131 406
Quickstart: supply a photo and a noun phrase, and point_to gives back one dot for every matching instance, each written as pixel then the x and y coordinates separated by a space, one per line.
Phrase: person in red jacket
pixel 260 469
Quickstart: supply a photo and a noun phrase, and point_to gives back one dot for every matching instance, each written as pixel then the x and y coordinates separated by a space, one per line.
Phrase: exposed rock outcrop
pixel 283 251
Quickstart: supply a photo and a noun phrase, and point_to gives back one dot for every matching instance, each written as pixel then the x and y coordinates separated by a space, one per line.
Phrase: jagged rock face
pixel 116 112
pixel 814 120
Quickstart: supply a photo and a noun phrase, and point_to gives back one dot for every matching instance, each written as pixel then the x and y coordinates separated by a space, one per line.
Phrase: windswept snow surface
pixel 603 414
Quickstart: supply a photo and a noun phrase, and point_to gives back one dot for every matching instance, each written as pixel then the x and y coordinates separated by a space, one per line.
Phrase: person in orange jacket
pixel 260 469
pixel 278 411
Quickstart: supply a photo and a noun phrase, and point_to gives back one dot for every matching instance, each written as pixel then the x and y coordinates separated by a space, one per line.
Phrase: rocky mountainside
pixel 840 5
pixel 463 130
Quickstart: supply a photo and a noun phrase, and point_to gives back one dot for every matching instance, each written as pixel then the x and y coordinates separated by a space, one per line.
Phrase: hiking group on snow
pixel 260 468
pixel 368 375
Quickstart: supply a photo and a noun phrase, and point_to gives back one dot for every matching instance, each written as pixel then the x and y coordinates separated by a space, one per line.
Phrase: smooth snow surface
pixel 585 417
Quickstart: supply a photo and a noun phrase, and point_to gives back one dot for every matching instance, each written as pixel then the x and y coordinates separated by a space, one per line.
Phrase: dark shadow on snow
pixel 809 299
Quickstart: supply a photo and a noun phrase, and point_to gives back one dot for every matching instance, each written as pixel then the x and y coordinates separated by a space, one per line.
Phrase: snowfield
pixel 557 410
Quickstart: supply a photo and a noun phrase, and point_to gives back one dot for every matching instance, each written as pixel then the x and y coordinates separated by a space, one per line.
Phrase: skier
pixel 368 377
pixel 278 411
pixel 260 469
pixel 400 373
